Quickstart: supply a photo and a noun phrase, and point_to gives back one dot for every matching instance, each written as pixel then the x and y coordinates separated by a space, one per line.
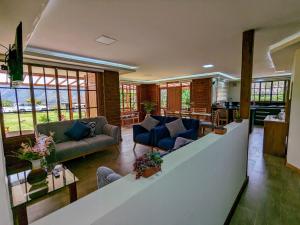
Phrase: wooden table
pixel 20 194
pixel 275 135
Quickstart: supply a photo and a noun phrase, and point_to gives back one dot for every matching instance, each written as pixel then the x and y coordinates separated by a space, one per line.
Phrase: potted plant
pixel 147 165
pixel 238 118
pixel 148 107
pixel 36 153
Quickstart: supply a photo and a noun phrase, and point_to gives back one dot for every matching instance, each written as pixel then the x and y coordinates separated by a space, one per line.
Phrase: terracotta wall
pixel 109 96
pixel 147 92
pixel 201 93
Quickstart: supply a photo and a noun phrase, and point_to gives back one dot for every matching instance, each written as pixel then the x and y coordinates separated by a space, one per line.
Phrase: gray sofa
pixel 66 149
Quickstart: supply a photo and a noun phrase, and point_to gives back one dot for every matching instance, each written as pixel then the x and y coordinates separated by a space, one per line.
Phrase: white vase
pixel 36 164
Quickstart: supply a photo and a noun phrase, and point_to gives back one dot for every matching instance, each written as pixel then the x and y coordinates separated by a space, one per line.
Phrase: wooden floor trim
pixel 293 167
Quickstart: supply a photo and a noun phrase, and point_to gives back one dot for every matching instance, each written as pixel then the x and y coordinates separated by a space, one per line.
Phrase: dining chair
pixel 223 116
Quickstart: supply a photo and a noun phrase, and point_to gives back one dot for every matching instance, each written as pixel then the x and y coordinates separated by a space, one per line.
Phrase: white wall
pixel 293 152
pixel 5 209
pixel 234 91
pixel 197 186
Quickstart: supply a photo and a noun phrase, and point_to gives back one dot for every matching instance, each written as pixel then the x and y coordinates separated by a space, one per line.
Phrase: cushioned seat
pixel 166 143
pixel 143 138
pixel 99 141
pixel 70 149
pixel 66 148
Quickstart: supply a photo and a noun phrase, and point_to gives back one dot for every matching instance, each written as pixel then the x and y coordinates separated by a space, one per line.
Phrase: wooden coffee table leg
pixel 73 192
pixel 20 215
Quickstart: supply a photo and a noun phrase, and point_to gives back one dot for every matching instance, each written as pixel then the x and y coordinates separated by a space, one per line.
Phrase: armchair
pixel 163 140
pixel 142 136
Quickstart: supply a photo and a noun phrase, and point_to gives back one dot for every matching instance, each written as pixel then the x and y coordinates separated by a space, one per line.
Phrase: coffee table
pixel 20 194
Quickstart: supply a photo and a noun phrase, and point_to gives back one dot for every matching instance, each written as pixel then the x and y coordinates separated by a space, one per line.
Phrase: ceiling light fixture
pixel 105 40
pixel 208 66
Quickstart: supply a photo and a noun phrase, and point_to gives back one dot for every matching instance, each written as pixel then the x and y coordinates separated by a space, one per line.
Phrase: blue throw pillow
pixel 78 131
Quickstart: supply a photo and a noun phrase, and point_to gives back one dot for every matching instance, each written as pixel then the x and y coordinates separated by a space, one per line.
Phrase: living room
pixel 107 86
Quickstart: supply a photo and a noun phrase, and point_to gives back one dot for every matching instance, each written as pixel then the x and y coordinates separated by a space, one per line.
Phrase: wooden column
pixel 246 75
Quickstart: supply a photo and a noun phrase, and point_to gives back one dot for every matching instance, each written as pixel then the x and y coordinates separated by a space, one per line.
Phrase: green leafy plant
pixel 237 114
pixel 148 160
pixel 43 118
pixel 148 106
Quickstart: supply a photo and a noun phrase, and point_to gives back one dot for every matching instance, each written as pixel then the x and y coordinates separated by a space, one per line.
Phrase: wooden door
pixel 174 98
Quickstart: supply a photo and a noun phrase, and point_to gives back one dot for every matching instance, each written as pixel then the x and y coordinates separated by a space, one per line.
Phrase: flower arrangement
pixel 41 149
pixel 148 164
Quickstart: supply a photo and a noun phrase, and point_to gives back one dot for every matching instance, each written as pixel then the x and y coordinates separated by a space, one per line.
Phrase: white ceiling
pixel 14 11
pixel 167 38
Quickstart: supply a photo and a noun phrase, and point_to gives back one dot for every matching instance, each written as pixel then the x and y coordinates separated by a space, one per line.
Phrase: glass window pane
pixel 72 79
pixel 92 99
pixel 40 100
pixel 64 99
pixel 53 115
pixel 83 97
pixel 41 117
pixel 52 99
pixel 24 100
pixel 65 115
pixel 11 124
pixel 26 121
pixel 91 81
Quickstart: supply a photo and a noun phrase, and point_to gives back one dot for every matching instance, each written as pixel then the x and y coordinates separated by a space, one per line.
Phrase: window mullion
pixel 33 112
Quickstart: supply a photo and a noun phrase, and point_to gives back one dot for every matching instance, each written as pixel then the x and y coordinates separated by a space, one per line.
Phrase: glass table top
pixel 21 191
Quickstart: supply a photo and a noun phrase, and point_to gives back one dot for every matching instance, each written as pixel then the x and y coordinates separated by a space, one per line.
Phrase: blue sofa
pixel 160 137
pixel 143 136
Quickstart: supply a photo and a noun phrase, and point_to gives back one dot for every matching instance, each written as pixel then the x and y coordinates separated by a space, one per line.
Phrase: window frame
pixel 258 86
pixel 34 87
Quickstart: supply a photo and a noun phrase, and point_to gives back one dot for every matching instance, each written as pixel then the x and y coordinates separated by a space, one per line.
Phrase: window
pixel 163 99
pixel 184 89
pixel 47 94
pixel 128 97
pixel 268 91
pixel 185 96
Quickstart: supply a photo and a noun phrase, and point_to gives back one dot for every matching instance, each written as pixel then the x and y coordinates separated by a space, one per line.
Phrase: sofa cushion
pixel 99 141
pixel 92 126
pixel 180 142
pixel 78 131
pixel 166 143
pixel 175 127
pixel 143 138
pixel 149 123
pixel 70 149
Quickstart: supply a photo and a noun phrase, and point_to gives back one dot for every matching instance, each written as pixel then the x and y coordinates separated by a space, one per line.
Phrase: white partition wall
pixel 198 185
pixel 5 208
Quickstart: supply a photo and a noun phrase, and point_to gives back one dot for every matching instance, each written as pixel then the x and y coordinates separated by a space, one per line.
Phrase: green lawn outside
pixel 11 119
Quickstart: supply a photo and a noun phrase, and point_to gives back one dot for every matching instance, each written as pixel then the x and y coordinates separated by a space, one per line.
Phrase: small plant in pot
pixel 148 107
pixel 238 118
pixel 147 165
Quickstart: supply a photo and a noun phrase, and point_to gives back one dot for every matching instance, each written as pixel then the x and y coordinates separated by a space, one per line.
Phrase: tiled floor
pixel 272 196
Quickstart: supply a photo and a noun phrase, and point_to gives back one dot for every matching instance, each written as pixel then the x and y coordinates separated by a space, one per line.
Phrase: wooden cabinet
pixel 275 135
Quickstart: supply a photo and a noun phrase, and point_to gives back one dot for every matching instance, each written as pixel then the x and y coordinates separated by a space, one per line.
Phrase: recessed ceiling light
pixel 208 66
pixel 105 40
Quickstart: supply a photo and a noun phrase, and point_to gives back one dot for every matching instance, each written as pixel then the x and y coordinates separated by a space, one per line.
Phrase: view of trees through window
pixel 268 91
pixel 128 97
pixel 46 95
pixel 185 91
